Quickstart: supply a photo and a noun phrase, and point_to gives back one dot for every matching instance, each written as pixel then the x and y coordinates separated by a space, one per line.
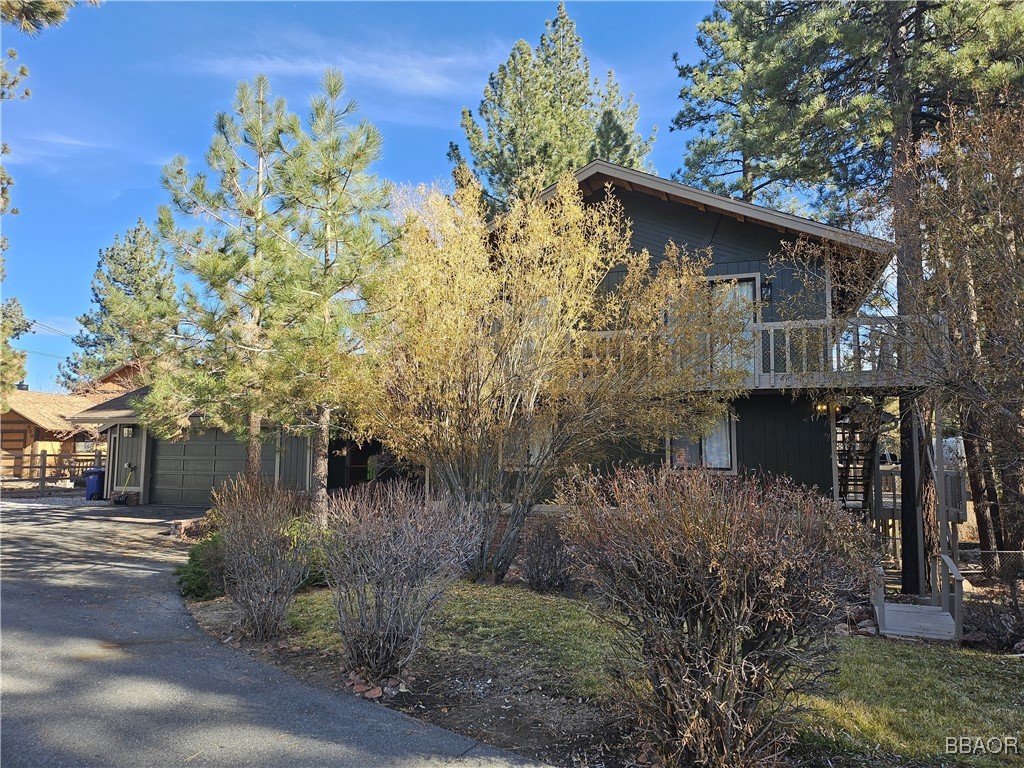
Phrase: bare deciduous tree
pixel 522 345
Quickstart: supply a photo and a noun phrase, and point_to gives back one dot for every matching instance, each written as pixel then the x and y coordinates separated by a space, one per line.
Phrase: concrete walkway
pixel 104 666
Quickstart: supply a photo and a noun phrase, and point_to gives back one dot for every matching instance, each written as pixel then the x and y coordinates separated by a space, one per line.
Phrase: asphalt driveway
pixel 102 665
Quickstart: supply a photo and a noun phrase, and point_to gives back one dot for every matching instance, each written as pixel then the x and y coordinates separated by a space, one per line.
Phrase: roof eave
pixel 640 181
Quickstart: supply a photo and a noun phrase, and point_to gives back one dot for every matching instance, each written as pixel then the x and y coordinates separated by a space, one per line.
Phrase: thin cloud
pixel 395 65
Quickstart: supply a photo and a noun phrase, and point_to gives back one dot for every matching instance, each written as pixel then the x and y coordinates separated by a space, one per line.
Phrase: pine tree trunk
pixel 1011 504
pixel 979 468
pixel 908 281
pixel 321 448
pixel 254 449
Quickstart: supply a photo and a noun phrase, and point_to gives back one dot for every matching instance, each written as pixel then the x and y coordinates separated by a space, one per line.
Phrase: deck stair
pixel 928 622
pixel 942 619
pixel 855 455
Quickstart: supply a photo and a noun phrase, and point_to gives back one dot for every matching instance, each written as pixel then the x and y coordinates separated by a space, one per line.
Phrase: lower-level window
pixel 715 451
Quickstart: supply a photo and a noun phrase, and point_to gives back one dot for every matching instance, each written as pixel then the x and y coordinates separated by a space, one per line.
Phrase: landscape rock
pixel 373 693
pixel 842 630
pixel 865 623
pixel 868 631
pixel 859 613
pixel 1019 647
pixel 974 639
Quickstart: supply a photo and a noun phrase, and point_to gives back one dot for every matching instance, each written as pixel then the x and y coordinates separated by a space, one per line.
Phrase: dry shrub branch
pixel 390 553
pixel 725 586
pixel 266 551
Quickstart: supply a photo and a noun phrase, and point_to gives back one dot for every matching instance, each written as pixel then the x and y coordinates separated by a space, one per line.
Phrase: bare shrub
pixel 390 552
pixel 546 562
pixel 266 551
pixel 724 586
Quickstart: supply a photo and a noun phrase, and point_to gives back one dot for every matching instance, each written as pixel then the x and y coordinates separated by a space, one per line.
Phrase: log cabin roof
pixel 51 411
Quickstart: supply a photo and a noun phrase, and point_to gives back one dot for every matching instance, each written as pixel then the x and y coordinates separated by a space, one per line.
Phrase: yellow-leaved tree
pixel 514 347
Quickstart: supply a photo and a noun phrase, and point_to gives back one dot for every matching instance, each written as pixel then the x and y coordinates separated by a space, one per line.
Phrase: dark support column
pixel 910 519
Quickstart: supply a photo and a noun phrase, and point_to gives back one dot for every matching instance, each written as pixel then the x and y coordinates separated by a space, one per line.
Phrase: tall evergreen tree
pixel 340 237
pixel 220 369
pixel 134 309
pixel 13 325
pixel 720 100
pixel 542 115
pixel 825 94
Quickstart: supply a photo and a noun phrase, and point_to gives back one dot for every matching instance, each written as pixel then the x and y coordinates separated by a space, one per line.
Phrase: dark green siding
pixel 294 462
pixel 129 451
pixel 782 436
pixel 737 247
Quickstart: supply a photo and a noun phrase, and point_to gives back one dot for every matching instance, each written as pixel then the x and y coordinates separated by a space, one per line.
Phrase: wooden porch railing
pixel 863 351
pixel 45 467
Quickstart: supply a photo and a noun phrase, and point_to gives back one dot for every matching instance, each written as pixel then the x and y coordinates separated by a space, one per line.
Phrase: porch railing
pixel 863 351
pixel 43 467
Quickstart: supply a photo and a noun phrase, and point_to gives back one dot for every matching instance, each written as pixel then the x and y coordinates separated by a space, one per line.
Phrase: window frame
pixel 731 470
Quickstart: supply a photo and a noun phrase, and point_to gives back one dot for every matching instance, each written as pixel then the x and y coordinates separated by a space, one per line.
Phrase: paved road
pixel 104 666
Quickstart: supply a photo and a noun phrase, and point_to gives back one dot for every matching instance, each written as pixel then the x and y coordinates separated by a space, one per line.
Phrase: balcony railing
pixel 859 352
pixel 865 351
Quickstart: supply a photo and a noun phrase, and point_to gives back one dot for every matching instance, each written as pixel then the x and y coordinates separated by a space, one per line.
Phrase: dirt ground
pixel 474 696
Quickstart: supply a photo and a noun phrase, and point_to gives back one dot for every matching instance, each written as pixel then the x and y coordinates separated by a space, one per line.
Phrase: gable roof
pixel 117 409
pixel 594 175
pixel 49 411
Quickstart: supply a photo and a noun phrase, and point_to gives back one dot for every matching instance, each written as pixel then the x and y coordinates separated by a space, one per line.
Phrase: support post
pixel 835 452
pixel 42 470
pixel 911 542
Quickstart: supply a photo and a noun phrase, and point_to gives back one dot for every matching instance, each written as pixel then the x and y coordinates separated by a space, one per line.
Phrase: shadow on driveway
pixel 104 666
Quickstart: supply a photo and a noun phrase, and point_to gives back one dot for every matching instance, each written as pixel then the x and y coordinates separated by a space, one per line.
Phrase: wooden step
pixel 928 622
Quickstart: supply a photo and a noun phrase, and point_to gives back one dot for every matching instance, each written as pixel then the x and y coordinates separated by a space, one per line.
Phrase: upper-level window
pixel 733 292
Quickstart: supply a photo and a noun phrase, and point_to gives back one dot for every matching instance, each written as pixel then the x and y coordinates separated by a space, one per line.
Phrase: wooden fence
pixel 43 467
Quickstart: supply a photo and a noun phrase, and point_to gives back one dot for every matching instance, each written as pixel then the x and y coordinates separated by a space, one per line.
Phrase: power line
pixel 41 354
pixel 51 329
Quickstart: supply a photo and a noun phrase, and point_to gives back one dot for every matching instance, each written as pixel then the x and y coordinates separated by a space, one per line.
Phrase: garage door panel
pixel 187 472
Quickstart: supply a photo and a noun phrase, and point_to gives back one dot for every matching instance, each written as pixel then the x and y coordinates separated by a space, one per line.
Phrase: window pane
pixel 718 445
pixel 684 453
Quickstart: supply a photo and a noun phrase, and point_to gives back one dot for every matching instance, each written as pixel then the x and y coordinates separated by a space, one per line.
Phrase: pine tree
pixel 134 309
pixel 824 94
pixel 219 371
pixel 13 325
pixel 542 115
pixel 341 237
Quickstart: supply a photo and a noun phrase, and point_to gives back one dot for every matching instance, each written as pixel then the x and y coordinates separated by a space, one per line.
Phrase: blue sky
pixel 120 89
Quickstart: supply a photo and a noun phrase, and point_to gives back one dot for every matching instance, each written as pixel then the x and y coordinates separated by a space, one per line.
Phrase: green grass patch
pixel 907 698
pixel 312 616
pixel 560 637
pixel 890 698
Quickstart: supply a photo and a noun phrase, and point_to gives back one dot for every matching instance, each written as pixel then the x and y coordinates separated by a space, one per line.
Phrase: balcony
pixel 859 352
pixel 864 352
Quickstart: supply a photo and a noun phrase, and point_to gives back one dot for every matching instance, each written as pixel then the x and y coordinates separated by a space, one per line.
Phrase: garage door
pixel 186 472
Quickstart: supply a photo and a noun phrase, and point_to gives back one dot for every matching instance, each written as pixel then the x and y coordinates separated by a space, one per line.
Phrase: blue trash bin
pixel 94 483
